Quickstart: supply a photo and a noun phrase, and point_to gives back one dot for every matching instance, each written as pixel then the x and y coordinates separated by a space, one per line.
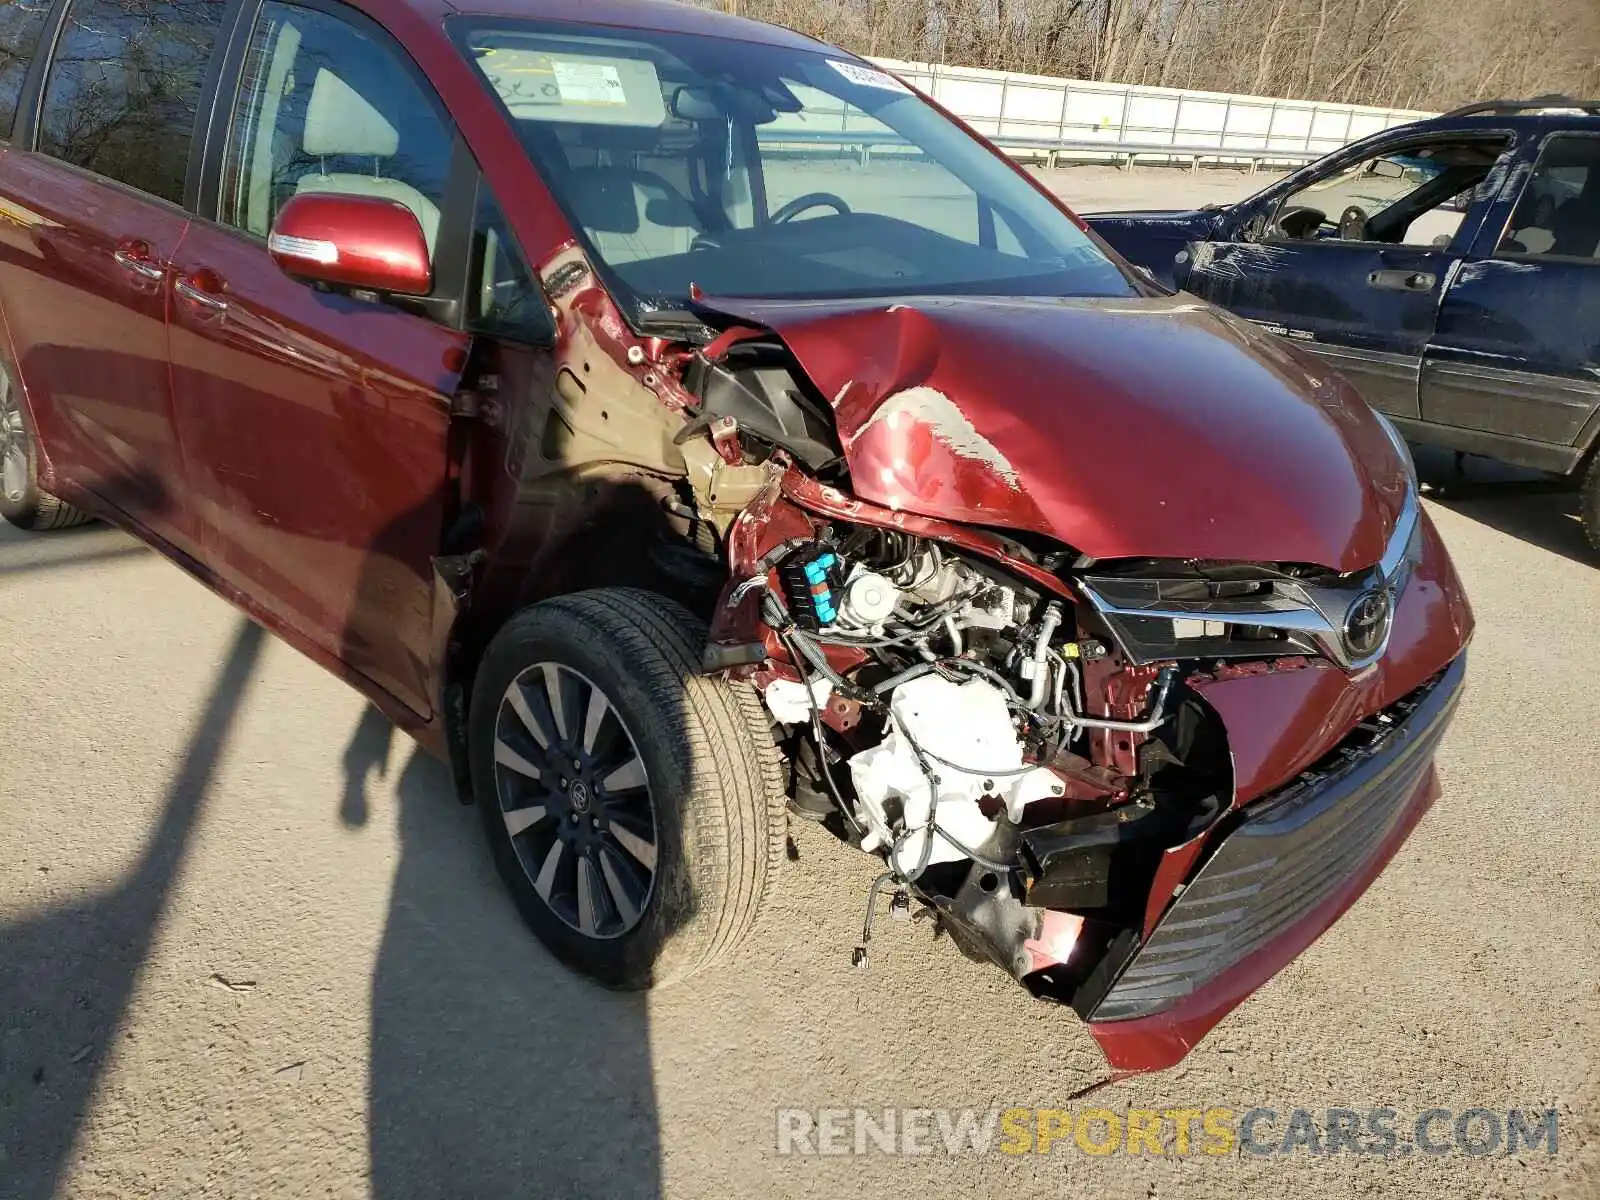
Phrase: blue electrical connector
pixel 810 576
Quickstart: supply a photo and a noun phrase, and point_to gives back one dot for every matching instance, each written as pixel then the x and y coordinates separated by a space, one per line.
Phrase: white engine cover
pixel 964 723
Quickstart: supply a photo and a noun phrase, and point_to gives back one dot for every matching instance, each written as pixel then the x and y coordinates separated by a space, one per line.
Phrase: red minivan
pixel 683 426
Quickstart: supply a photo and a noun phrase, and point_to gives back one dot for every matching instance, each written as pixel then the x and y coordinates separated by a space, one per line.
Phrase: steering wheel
pixel 1300 222
pixel 800 204
pixel 1353 224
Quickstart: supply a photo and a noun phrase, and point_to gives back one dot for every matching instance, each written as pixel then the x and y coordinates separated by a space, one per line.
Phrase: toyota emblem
pixel 1366 624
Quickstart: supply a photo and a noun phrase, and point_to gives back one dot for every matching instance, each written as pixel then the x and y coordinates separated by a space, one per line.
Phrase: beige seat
pixel 340 123
pixel 1575 230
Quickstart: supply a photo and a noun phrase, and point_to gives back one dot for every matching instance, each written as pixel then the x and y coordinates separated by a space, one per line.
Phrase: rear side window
pixel 20 24
pixel 1558 213
pixel 124 89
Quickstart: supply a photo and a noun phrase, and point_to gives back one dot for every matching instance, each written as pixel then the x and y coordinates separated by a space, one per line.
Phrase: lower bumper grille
pixel 1288 853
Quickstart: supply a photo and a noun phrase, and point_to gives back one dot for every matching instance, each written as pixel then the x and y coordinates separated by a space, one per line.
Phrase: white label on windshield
pixel 867 77
pixel 588 83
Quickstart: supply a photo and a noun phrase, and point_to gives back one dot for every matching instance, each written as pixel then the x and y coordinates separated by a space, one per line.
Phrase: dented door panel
pixel 1517 350
pixel 1327 296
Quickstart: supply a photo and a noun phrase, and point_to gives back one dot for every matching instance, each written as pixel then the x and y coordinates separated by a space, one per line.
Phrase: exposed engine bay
pixel 987 740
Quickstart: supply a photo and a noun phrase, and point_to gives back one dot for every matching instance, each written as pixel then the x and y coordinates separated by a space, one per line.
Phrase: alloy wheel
pixel 13 444
pixel 575 797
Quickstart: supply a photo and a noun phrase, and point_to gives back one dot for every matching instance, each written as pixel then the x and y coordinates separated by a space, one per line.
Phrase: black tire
pixel 22 501
pixel 714 786
pixel 1589 504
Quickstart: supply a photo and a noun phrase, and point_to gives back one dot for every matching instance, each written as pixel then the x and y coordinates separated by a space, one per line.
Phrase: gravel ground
pixel 250 945
pixel 1091 189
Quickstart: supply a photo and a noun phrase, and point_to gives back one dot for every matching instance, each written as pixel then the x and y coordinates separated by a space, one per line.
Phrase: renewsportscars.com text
pixel 1205 1132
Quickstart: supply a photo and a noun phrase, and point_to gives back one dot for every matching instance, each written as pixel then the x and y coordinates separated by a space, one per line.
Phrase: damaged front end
pixel 1073 792
pixel 1018 647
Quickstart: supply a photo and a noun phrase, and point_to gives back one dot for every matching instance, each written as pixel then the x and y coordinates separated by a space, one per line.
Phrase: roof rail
pixel 1554 100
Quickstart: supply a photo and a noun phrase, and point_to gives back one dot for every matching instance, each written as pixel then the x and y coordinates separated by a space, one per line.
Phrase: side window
pixel 504 300
pixel 124 89
pixel 1412 195
pixel 1559 210
pixel 325 107
pixel 20 23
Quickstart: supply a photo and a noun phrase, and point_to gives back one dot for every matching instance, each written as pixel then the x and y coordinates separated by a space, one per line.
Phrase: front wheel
pixel 22 502
pixel 1589 504
pixel 634 806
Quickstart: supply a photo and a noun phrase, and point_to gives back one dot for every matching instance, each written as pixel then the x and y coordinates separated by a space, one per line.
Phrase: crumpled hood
pixel 1158 427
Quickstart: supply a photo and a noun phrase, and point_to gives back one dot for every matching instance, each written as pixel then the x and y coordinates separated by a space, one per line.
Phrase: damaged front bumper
pixel 1290 866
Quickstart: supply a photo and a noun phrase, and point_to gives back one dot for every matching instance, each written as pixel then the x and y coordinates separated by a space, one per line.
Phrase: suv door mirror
pixel 1244 223
pixel 352 241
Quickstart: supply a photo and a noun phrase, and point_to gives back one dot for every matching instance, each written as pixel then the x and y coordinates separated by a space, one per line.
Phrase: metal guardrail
pixel 861 142
pixel 1045 114
pixel 1118 151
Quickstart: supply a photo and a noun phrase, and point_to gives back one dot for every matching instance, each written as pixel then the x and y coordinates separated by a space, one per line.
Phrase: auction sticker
pixel 867 77
pixel 588 83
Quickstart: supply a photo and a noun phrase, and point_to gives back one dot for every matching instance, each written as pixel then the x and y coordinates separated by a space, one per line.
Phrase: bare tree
pixel 1403 53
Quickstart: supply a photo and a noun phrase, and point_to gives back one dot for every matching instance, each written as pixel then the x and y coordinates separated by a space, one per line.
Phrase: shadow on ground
pixel 1536 508
pixel 66 976
pixel 495 1071
pixel 81 546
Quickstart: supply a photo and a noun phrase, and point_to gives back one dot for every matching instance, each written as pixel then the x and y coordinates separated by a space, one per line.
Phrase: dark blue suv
pixel 1450 269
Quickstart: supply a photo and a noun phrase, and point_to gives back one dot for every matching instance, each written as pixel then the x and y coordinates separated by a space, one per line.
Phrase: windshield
pixel 747 169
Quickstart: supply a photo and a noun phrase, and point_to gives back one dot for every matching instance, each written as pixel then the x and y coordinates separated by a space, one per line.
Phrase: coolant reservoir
pixel 966 736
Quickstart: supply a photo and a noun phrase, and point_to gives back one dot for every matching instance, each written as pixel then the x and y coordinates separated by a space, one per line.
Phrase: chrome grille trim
pixel 1311 617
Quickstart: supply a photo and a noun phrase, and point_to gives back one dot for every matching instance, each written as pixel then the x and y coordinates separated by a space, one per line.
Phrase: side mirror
pixel 352 241
pixel 1242 223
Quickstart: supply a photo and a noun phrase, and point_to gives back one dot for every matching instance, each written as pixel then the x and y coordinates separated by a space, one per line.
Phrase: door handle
pixel 1402 281
pixel 136 258
pixel 195 294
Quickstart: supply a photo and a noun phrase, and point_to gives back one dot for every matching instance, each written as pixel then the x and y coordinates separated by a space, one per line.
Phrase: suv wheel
pixel 1589 504
pixel 635 807
pixel 22 502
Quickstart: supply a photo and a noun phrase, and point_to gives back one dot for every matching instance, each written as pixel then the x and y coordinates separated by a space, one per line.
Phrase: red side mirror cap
pixel 352 241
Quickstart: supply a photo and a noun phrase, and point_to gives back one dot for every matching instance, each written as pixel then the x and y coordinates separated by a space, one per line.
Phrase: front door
pixel 92 219
pixel 317 421
pixel 1351 260
pixel 1517 352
